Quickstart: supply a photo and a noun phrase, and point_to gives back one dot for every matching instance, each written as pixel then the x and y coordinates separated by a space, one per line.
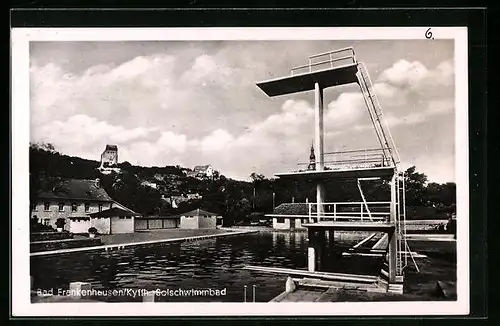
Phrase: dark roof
pixel 79 217
pixel 115 211
pixel 163 217
pixel 293 209
pixel 112 147
pixel 78 189
pixel 198 212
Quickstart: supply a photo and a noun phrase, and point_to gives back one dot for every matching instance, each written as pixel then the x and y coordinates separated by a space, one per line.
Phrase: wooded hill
pixel 234 199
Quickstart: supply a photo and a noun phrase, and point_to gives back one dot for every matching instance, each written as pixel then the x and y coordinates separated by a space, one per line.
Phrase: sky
pixel 190 103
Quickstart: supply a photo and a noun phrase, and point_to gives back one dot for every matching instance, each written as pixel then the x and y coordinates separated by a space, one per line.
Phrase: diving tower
pixel 331 69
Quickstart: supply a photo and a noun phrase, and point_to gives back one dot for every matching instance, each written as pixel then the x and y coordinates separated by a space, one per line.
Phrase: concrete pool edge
pixel 230 232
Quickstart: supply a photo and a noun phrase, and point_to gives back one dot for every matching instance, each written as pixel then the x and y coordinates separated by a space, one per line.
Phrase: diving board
pixel 337 76
pixel 386 172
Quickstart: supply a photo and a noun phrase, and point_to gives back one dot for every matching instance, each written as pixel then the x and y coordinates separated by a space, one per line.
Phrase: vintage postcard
pixel 240 171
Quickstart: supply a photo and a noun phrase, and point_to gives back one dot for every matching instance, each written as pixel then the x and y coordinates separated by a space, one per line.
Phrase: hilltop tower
pixel 109 158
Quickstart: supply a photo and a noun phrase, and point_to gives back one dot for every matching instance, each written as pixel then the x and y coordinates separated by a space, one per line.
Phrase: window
pixel 74 207
pixel 87 207
pixel 61 207
pixel 46 221
pixel 129 217
pixel 280 220
pixel 46 206
pixel 122 217
pixel 100 207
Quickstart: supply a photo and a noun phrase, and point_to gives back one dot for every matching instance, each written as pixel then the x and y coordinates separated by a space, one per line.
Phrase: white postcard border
pixel 21 305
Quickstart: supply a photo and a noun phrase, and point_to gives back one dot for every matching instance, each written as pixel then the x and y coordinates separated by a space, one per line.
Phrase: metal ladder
pixel 375 111
pixel 403 248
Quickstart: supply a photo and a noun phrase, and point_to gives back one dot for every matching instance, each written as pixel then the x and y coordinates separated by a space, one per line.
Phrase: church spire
pixel 312 159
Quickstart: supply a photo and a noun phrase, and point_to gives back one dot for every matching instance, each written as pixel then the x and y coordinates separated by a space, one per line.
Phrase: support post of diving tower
pixel 311 251
pixel 393 236
pixel 319 135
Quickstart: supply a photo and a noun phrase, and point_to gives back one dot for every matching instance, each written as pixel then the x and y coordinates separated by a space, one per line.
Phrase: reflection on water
pixel 214 263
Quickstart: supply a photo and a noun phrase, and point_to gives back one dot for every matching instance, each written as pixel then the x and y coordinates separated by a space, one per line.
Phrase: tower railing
pixel 327 60
pixel 349 211
pixel 352 159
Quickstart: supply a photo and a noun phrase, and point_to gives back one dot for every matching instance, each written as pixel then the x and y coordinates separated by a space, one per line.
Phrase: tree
pixel 256 180
pixel 256 177
pixel 415 184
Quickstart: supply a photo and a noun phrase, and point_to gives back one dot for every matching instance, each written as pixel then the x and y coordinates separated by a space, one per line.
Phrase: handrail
pixel 314 64
pixel 358 150
pixel 352 213
pixel 349 48
pixel 342 162
pixel 358 213
pixel 352 217
pixel 348 203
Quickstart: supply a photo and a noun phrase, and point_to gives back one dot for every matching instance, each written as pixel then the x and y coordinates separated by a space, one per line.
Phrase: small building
pixel 205 170
pixel 289 216
pixel 191 174
pixel 194 196
pixel 201 171
pixel 159 176
pixel 113 221
pixel 175 200
pixel 157 222
pixel 150 184
pixel 70 198
pixel 200 219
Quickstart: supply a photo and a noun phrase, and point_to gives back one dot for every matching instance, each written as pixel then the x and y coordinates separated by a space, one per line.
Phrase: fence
pixel 349 211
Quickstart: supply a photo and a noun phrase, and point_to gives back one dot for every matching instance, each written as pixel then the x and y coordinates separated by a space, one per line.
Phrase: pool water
pixel 208 264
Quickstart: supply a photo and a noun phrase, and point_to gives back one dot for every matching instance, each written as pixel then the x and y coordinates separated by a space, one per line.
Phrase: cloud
pixel 165 110
pixel 405 74
pixel 217 141
pixel 345 110
pixel 404 86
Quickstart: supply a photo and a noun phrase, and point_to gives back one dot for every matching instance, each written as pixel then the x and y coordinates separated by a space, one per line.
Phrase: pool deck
pixel 341 293
pixel 121 241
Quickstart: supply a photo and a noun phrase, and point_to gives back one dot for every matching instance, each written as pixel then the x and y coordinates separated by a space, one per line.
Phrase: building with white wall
pixel 289 216
pixel 200 219
pixel 113 221
pixel 80 203
pixel 70 198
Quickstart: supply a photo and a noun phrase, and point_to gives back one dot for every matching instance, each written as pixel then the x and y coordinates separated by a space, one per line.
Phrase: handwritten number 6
pixel 428 34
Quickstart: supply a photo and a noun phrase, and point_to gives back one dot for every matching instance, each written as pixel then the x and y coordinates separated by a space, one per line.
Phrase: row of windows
pixel 74 207
pixel 125 217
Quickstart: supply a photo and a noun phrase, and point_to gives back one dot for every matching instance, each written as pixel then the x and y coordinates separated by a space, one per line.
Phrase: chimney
pixel 97 183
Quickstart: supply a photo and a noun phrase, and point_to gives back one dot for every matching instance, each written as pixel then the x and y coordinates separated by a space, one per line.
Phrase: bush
pixel 60 222
pixel 92 230
pixel 35 226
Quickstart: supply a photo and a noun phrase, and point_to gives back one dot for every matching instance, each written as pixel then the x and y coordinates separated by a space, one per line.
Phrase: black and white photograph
pixel 240 171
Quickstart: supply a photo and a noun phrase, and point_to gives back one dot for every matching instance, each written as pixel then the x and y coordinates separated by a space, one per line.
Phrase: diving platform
pixel 351 226
pixel 345 74
pixel 333 68
pixel 325 70
pixel 347 173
